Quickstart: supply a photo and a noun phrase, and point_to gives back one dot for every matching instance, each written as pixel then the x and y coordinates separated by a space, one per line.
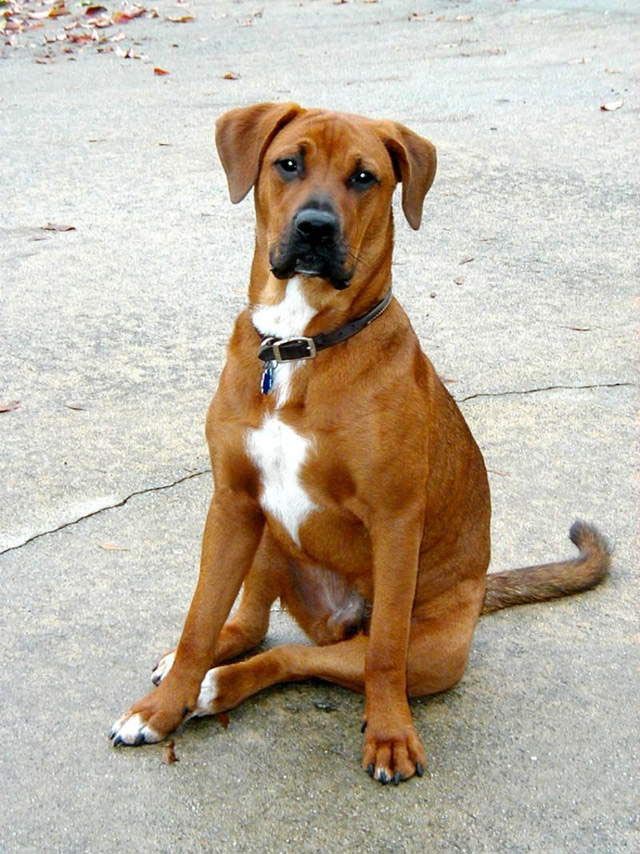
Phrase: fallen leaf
pixel 160 72
pixel 576 328
pixel 92 11
pixel 610 106
pixel 113 547
pixel 459 280
pixel 54 226
pixel 78 407
pixel 230 75
pixel 501 473
pixel 101 22
pixel 124 16
pixel 9 406
pixel 223 719
pixel 58 10
pixel 165 144
pixel 81 38
pixel 467 259
pixel 180 19
pixel 169 753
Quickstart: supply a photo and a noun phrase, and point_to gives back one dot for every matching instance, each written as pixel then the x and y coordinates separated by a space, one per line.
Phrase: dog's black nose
pixel 316 226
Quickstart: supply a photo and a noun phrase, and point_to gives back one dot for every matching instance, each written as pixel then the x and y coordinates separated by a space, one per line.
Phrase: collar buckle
pixel 289 349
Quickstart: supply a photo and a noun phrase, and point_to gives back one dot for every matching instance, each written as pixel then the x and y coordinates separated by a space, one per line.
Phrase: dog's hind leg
pixel 437 656
pixel 247 627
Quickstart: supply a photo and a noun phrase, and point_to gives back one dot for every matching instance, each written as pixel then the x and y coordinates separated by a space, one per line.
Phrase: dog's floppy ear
pixel 242 137
pixel 414 160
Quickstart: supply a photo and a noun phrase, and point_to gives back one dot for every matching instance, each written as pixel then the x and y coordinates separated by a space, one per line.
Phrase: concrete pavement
pixel 113 337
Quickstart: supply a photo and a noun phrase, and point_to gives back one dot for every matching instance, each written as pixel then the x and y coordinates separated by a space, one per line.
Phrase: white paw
pixel 131 731
pixel 163 667
pixel 206 704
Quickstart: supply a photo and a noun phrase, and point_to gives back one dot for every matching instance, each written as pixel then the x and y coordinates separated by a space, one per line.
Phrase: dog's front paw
pixel 163 667
pixel 392 754
pixel 150 720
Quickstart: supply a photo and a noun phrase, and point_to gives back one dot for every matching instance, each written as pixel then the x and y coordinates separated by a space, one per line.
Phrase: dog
pixel 347 483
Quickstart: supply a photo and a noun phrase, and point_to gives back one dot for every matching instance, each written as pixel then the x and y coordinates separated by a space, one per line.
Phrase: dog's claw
pixel 419 769
pixel 383 777
pixel 396 778
pixel 363 726
pixel 117 741
pixel 370 769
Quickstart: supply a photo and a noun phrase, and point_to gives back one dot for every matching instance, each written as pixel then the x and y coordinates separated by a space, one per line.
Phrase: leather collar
pixel 293 349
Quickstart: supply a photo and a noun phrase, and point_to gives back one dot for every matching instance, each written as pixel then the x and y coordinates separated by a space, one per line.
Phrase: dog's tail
pixel 552 580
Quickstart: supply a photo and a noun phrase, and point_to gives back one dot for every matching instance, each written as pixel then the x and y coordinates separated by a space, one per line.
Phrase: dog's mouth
pixel 324 261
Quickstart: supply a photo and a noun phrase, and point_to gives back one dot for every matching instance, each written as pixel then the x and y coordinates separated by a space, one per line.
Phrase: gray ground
pixel 127 317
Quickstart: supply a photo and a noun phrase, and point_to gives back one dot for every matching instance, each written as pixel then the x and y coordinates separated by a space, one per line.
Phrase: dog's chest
pixel 278 451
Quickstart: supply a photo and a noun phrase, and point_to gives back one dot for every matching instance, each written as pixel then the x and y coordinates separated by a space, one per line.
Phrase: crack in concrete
pixel 121 503
pixel 542 388
pixel 208 470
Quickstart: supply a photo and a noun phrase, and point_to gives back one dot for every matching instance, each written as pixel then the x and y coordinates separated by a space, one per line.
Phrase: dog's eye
pixel 287 166
pixel 362 179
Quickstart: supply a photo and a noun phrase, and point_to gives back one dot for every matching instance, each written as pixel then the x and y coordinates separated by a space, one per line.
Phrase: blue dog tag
pixel 268 377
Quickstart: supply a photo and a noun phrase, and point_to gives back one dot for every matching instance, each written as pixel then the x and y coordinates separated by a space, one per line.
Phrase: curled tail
pixel 552 580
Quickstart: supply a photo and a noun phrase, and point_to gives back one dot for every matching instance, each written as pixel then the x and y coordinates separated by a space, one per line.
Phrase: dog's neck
pixel 304 305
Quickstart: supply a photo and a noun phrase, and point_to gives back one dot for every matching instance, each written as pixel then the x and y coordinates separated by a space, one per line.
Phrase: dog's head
pixel 323 185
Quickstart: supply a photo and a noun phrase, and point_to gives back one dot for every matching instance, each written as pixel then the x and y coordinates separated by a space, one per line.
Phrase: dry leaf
pixel 92 11
pixel 58 10
pixel 113 547
pixel 467 259
pixel 124 16
pixel 223 719
pixel 78 407
pixel 9 406
pixel 231 75
pixel 180 19
pixel 459 280
pixel 54 226
pixel 610 106
pixel 160 72
pixel 501 473
pixel 169 753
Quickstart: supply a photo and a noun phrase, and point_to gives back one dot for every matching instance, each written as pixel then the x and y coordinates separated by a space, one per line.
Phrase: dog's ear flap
pixel 242 137
pixel 414 160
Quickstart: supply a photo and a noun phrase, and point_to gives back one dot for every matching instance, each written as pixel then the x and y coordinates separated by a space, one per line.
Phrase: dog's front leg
pixel 392 749
pixel 231 536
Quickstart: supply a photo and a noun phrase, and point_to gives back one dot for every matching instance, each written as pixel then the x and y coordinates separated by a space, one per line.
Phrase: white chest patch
pixel 279 453
pixel 276 449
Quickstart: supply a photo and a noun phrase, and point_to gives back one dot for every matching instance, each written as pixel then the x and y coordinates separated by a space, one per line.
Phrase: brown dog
pixel 347 482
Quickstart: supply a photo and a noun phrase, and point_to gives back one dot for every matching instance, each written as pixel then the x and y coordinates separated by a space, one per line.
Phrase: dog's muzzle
pixel 313 246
